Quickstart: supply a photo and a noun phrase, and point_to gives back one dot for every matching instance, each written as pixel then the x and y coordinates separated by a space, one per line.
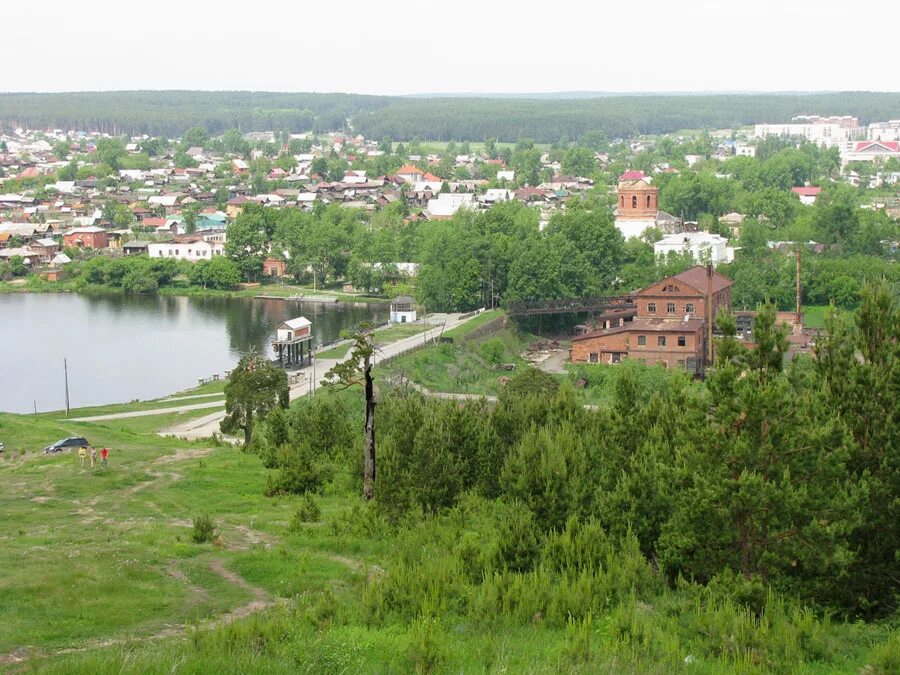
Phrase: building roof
pixel 696 277
pixel 632 174
pixel 409 169
pixel 298 323
pixel 806 191
pixel 647 326
pixel 892 146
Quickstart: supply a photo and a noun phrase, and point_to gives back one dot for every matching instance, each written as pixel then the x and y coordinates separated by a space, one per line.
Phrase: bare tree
pixel 357 370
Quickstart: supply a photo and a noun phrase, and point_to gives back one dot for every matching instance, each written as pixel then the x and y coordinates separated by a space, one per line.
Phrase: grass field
pixel 101 575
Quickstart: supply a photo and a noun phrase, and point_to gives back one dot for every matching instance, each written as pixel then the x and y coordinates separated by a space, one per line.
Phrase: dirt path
pixel 148 413
pixel 260 600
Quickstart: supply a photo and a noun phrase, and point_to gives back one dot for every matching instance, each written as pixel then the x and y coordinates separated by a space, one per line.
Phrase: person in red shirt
pixel 104 454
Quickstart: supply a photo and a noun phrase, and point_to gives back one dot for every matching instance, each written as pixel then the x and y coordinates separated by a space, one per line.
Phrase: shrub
pixel 298 472
pixel 492 351
pixel 308 512
pixel 426 649
pixel 533 382
pixel 204 529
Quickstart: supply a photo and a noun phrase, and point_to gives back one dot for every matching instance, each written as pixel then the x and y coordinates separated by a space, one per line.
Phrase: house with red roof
pixel 410 174
pixel 807 194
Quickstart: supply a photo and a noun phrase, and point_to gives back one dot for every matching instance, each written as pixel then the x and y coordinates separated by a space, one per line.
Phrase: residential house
pixel 447 204
pixel 807 194
pixel 187 247
pixel 403 310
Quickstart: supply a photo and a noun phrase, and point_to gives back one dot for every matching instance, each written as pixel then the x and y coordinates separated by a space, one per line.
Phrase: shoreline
pixel 273 292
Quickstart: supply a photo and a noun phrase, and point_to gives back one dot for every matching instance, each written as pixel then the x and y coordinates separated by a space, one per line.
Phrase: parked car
pixel 67 444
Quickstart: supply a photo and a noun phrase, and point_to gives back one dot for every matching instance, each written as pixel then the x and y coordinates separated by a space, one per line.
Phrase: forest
pixel 170 113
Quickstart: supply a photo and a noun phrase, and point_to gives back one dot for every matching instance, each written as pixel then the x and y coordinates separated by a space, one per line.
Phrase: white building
pixel 447 204
pixel 869 151
pixel 403 310
pixel 703 246
pixel 884 131
pixel 191 248
pixel 829 134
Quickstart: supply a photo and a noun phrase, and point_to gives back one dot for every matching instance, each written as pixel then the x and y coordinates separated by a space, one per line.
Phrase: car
pixel 1 446
pixel 67 444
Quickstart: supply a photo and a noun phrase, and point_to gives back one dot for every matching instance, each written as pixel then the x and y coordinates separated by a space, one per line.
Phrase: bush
pixel 298 472
pixel 204 529
pixel 492 351
pixel 533 382
pixel 308 512
pixel 426 649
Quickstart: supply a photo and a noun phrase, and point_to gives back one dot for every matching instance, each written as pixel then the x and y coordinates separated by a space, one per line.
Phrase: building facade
pixel 670 324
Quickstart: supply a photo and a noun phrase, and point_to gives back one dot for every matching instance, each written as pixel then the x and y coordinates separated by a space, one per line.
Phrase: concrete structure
pixel 884 131
pixel 290 339
pixel 403 309
pixel 703 247
pixel 827 131
pixel 274 267
pixel 670 324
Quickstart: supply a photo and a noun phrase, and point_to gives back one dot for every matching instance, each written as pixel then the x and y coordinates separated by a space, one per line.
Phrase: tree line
pixel 171 113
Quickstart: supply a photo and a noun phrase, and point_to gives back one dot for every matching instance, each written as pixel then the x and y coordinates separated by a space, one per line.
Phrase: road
pixel 312 377
pixel 147 413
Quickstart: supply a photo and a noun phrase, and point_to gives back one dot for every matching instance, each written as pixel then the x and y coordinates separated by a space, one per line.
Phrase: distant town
pixel 349 213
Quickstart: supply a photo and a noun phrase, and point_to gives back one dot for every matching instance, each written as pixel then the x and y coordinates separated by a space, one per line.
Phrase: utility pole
pixel 66 375
pixel 709 315
pixel 798 318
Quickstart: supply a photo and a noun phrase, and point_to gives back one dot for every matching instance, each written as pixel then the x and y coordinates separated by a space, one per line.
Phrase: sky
pixel 476 46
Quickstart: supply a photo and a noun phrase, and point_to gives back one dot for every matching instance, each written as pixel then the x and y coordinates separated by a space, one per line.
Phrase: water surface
pixel 120 348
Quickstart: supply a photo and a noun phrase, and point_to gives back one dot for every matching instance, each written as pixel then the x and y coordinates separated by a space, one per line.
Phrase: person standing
pixel 104 455
pixel 82 453
pixel 93 456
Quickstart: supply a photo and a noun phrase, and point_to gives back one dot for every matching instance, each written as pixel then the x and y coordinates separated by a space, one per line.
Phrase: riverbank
pixel 38 285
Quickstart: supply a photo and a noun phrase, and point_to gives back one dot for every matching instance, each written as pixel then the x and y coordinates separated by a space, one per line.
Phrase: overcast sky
pixel 391 47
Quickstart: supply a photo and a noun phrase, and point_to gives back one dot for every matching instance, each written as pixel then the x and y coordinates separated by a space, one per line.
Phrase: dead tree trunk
pixel 369 443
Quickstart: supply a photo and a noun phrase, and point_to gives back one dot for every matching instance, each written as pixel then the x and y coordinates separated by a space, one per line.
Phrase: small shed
pixel 290 339
pixel 403 309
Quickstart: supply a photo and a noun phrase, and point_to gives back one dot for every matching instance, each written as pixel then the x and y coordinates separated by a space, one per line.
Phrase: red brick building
pixel 86 237
pixel 274 267
pixel 669 326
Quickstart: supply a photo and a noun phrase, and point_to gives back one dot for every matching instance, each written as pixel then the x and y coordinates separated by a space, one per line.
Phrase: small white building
pixel 290 339
pixel 403 309
pixel 192 249
pixel 703 247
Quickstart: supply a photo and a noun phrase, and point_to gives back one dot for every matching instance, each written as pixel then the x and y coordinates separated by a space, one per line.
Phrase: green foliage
pixel 309 511
pixel 254 388
pixel 204 529
pixel 492 351
pixel 532 382
pixel 298 472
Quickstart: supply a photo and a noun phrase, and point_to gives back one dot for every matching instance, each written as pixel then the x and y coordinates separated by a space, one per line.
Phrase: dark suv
pixel 67 444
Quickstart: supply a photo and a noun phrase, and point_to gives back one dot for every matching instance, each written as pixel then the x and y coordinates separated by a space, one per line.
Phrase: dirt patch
pixel 253 537
pixel 372 571
pixel 41 500
pixel 157 476
pixel 183 454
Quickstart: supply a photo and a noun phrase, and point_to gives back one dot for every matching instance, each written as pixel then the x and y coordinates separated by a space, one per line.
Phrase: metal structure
pixel 570 306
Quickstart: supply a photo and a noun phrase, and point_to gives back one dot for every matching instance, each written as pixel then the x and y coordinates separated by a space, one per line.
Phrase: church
pixel 637 209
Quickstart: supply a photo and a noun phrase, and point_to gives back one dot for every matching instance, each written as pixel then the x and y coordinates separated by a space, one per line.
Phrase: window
pixel 670 308
pixel 682 341
pixel 594 357
pixel 623 200
pixel 651 308
pixel 642 340
pixel 616 358
pixel 648 201
pixel 634 202
pixel 661 340
pixel 689 308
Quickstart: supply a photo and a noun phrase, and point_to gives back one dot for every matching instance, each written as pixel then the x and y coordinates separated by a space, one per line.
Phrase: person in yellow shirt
pixel 82 453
